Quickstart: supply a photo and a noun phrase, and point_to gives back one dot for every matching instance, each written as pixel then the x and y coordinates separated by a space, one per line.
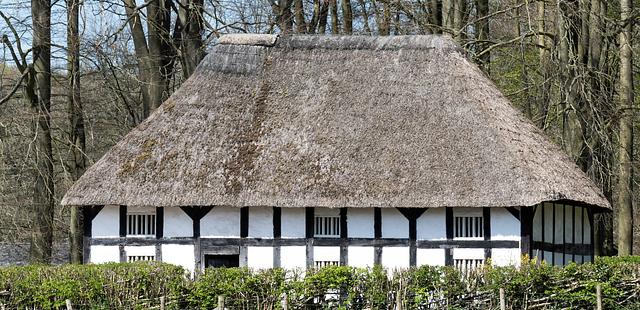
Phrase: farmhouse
pixel 302 151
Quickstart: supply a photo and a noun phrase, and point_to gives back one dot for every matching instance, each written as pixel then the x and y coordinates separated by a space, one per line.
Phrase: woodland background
pixel 76 75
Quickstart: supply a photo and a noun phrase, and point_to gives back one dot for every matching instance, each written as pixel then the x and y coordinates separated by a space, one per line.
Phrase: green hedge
pixel 107 286
pixel 140 285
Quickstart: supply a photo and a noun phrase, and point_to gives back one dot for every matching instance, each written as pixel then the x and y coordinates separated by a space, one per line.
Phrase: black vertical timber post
pixel 123 221
pixel 412 215
pixel 526 230
pixel 159 231
pixel 244 222
pixel 377 234
pixel 448 255
pixel 486 223
pixel 277 234
pixel 159 222
pixel 88 214
pixel 591 234
pixel 343 238
pixel 309 233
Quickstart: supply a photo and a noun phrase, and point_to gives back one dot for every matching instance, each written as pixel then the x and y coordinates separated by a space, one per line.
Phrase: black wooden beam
pixel 377 234
pixel 196 214
pixel 448 255
pixel 123 221
pixel 277 222
pixel 514 212
pixel 526 230
pixel 309 222
pixel 486 229
pixel 412 215
pixel 159 222
pixel 344 244
pixel 577 249
pixel 387 242
pixel 244 222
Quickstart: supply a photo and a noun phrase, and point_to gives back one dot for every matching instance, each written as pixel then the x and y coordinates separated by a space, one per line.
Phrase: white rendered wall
pixel 107 223
pixel 505 257
pixel 260 257
pixel 394 224
pixel 293 257
pixel 578 223
pixel 360 222
pixel 147 250
pixel 261 222
pixel 431 225
pixel 326 253
pixel 459 253
pixel 177 223
pixel 504 226
pixel 395 258
pixel 180 255
pixel 221 222
pixel 360 256
pixel 537 224
pixel 548 222
pixel 431 257
pixel 292 223
pixel 104 254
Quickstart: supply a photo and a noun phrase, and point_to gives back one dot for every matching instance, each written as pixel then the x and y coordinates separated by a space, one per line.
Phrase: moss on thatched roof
pixel 403 121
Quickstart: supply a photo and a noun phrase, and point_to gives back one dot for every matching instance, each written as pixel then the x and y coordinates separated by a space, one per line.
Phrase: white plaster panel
pixel 107 223
pixel 395 257
pixel 221 222
pixel 259 257
pixel 505 257
pixel 261 222
pixel 177 223
pixel 548 222
pixel 293 257
pixel 431 257
pixel 293 223
pixel 587 227
pixel 326 253
pixel 360 256
pixel 148 250
pixel 360 222
pixel 504 226
pixel 104 254
pixel 179 254
pixel 559 230
pixel 460 253
pixel 578 224
pixel 548 257
pixel 432 225
pixel 557 258
pixel 394 224
pixel 537 224
pixel 568 223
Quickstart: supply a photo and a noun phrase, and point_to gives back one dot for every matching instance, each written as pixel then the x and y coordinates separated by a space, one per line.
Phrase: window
pixel 468 226
pixel 137 258
pixel 141 222
pixel 467 265
pixel 327 226
pixel 215 261
pixel 325 263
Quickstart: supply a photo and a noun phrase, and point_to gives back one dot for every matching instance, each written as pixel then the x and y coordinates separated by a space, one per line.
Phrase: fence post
pixel 503 304
pixel 598 297
pixel 162 302
pixel 68 303
pixel 285 305
pixel 220 302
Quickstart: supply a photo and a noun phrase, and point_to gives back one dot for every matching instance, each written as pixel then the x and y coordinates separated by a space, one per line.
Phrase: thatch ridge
pixel 405 121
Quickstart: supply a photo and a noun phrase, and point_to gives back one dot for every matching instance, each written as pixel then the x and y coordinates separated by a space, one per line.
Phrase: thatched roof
pixel 403 121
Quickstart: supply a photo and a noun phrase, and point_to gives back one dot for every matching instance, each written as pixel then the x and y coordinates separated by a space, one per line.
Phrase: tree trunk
pixel 142 53
pixel 161 54
pixel 43 196
pixel 543 54
pixel 322 16
pixel 189 26
pixel 76 120
pixel 365 17
pixel 482 26
pixel 624 184
pixel 347 16
pixel 301 26
pixel 435 14
pixel 335 28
